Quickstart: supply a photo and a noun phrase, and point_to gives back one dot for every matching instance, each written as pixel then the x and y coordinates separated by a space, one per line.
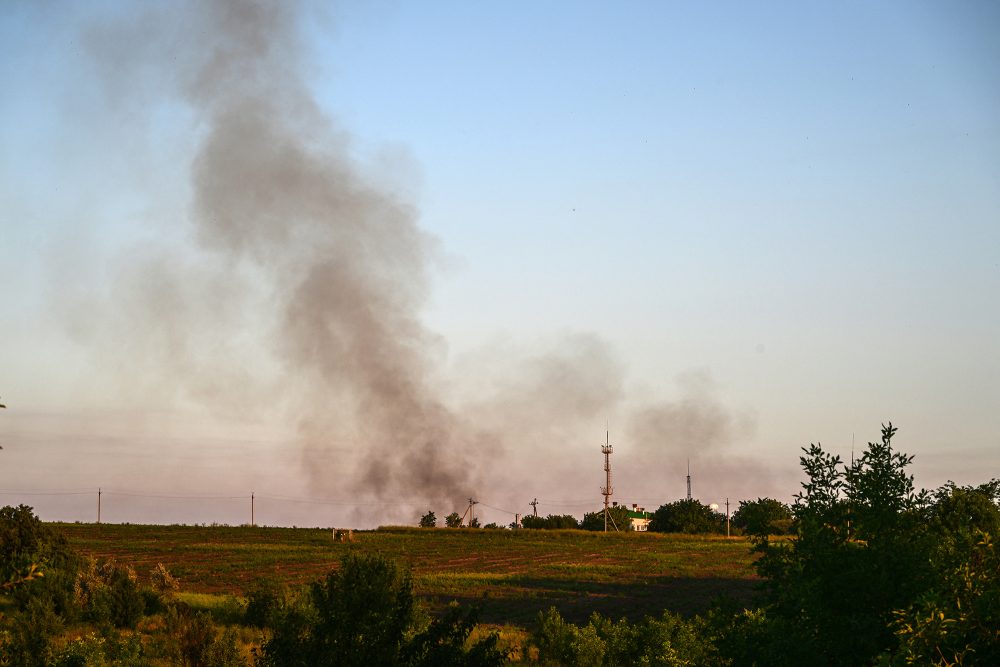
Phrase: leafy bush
pixel 364 614
pixel 453 520
pixel 194 640
pixel 428 520
pixel 35 561
pixel 27 639
pixel 555 638
pixel 25 539
pixel 106 650
pixel 263 604
pixel 109 593
pixel 443 643
pixel 668 640
pixel 957 619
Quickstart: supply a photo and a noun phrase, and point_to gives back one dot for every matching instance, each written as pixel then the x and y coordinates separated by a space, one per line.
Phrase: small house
pixel 640 518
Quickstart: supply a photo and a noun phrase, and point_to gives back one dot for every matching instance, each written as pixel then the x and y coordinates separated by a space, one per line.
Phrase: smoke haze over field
pixel 259 299
pixel 294 236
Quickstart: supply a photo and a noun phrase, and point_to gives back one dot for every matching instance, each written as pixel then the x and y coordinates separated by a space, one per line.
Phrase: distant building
pixel 639 517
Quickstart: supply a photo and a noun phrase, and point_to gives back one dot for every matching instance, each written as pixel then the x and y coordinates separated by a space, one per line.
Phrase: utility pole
pixel 689 479
pixel 606 490
pixel 727 517
pixel 472 510
pixel 251 510
pixel 534 507
pixel 98 504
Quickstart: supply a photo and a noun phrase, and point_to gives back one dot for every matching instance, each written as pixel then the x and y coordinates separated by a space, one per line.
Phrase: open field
pixel 517 572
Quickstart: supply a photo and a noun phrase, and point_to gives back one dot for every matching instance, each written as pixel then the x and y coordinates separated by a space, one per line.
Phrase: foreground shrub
pixel 263 604
pixel 108 593
pixel 668 640
pixel 364 614
pixel 195 641
pixel 106 650
pixel 26 640
pixel 444 640
pixel 958 621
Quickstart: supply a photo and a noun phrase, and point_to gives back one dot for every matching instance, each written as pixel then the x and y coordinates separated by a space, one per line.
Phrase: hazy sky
pixel 391 255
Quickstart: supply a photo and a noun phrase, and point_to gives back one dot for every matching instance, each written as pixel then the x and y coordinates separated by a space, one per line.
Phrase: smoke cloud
pixel 290 238
pixel 293 240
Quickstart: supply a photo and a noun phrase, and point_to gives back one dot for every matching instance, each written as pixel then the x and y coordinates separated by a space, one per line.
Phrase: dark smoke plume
pixel 336 268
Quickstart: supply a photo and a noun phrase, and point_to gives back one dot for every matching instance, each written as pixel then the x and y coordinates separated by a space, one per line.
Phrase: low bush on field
pixel 668 640
pixel 364 614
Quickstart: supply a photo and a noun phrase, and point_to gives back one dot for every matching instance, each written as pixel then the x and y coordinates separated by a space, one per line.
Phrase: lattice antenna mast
pixel 689 479
pixel 607 490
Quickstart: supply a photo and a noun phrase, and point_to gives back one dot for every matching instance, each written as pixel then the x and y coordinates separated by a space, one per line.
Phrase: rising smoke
pixel 291 238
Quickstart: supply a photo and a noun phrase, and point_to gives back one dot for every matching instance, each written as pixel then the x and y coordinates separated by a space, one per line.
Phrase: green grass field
pixel 513 574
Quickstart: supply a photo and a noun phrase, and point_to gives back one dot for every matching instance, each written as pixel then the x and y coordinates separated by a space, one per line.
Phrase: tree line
pixel 682 516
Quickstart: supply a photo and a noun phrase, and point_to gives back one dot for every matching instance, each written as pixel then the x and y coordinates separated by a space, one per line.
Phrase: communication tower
pixel 607 490
pixel 689 479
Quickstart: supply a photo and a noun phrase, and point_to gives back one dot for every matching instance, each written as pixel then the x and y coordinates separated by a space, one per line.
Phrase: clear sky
pixel 725 230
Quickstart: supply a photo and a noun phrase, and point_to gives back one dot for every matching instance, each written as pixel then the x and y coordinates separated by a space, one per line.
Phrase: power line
pixel 46 493
pixel 498 509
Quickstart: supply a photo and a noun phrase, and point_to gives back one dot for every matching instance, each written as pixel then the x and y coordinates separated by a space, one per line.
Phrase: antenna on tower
pixel 606 490
pixel 689 479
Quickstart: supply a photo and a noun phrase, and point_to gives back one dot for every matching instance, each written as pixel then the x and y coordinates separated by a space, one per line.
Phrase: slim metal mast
pixel 689 479
pixel 606 490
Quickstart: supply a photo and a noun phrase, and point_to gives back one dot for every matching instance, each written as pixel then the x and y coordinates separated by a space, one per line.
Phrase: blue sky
pixel 799 203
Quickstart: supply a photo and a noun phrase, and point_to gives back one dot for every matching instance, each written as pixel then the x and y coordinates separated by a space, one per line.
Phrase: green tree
pixel 859 553
pixel 453 520
pixel 686 516
pixel 762 516
pixel 428 520
pixel 617 519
